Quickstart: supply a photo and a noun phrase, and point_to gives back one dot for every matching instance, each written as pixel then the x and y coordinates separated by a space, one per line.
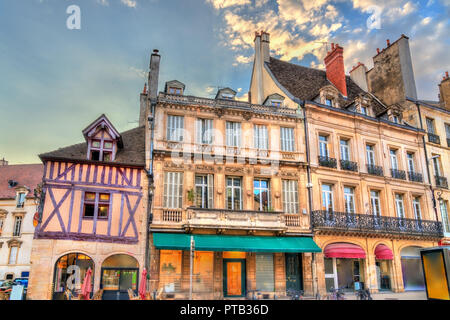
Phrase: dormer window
pixel 395 119
pixel 175 91
pixel 226 93
pixel 276 103
pixel 274 100
pixel 329 102
pixel 20 199
pixel 364 110
pixel 103 140
pixel 174 87
pixel 328 96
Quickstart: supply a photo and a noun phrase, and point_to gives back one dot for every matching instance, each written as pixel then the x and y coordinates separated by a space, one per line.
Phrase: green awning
pixel 203 242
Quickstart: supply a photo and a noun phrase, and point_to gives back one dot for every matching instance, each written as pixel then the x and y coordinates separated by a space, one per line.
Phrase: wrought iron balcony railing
pixel 367 223
pixel 433 138
pixel 349 165
pixel 441 182
pixel 327 162
pixel 414 176
pixel 375 170
pixel 398 174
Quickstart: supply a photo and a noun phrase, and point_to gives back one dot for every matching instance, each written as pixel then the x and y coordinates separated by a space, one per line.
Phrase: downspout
pixel 309 187
pixel 427 163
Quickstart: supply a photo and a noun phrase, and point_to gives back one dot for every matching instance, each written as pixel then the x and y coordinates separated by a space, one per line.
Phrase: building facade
pixel 93 215
pixel 17 209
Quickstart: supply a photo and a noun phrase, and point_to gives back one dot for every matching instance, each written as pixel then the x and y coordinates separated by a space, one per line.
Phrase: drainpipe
pixel 427 163
pixel 309 187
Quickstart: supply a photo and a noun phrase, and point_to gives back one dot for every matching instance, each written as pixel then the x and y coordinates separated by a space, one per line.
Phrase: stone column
pixel 154 268
pixel 320 274
pixel 218 275
pixel 251 271
pixel 370 273
pixel 307 274
pixel 280 274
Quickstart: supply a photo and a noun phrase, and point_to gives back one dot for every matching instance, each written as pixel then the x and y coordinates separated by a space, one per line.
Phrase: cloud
pixel 129 3
pixel 103 2
pixel 221 4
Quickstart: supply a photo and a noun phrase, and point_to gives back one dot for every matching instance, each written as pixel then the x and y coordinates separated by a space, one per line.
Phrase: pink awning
pixel 382 252
pixel 344 250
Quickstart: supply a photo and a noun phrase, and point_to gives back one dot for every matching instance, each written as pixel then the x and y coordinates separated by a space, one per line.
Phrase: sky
pixel 54 81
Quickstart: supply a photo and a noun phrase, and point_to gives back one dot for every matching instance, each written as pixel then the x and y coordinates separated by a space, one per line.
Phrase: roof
pixel 26 175
pixel 132 153
pixel 305 83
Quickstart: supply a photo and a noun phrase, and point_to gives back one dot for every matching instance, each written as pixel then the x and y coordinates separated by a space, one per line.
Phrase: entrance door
pixel 116 282
pixel 234 277
pixel 294 275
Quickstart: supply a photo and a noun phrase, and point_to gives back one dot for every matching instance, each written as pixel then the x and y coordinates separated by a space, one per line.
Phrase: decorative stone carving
pixel 289 174
pixel 234 170
pixel 202 167
pixel 172 165
pixel 247 116
pixel 14 243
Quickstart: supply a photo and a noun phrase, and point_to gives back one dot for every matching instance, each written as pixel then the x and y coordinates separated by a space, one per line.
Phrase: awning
pixel 344 250
pixel 203 242
pixel 382 252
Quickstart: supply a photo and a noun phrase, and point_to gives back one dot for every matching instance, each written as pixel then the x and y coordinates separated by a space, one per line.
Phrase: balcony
pixel 327 162
pixel 349 165
pixel 441 182
pixel 375 170
pixel 433 138
pixel 363 224
pixel 414 176
pixel 223 219
pixel 398 174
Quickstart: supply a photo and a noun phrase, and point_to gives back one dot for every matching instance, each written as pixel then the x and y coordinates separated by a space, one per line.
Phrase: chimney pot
pixel 388 42
pixel 145 88
pixel 155 51
pixel 378 50
pixel 446 74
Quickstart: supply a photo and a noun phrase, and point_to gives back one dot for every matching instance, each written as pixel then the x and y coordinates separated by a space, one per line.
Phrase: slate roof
pixel 132 153
pixel 305 83
pixel 26 175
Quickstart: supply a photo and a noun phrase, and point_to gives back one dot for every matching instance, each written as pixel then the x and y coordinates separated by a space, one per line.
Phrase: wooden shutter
pixel 210 179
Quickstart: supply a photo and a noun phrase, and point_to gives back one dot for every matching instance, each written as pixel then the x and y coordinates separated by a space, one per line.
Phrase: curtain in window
pixel 173 189
pixel 233 133
pixel 260 137
pixel 204 131
pixel 290 196
pixel 287 139
pixel 175 125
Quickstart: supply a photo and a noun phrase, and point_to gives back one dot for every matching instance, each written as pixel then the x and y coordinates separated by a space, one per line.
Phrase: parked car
pixel 21 281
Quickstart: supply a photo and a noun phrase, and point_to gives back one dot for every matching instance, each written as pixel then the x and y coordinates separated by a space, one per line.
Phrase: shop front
pixel 412 271
pixel 119 273
pixel 383 264
pixel 344 266
pixel 230 266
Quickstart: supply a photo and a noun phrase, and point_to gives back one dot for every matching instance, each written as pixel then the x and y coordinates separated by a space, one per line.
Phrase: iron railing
pixel 441 182
pixel 368 223
pixel 398 174
pixel 414 176
pixel 375 170
pixel 327 162
pixel 433 138
pixel 349 165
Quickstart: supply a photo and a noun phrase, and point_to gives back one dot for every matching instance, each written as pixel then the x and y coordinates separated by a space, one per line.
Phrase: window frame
pixel 233 132
pixel 96 202
pixel 345 146
pixel 260 137
pixel 20 204
pixel 16 255
pixel 375 202
pixel 349 197
pixel 323 146
pixel 290 196
pixel 261 190
pixel 17 226
pixel 372 153
pixel 400 203
pixel 232 188
pixel 173 198
pixel 204 131
pixel 327 197
pixel 207 191
pixel 287 139
pixel 417 207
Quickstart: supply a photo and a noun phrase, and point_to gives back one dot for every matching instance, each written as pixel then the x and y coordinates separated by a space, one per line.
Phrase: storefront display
pixel 412 269
pixel 170 270
pixel 119 273
pixel 384 257
pixel 203 272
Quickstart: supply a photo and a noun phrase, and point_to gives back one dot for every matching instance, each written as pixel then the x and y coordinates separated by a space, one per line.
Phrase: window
pixel 175 90
pixel 395 119
pixel 233 132
pixel 349 198
pixel 290 196
pixel 394 161
pixel 204 191
pixel 323 146
pixel 416 206
pixel 345 153
pixel 327 197
pixel 276 103
pixel 375 203
pixel 430 126
pixel 447 133
pixel 370 155
pixel 234 193
pixel 13 255
pixel 173 189
pixel 399 206
pixel 2 221
pixel 287 139
pixel 20 199
pixel 261 195
pixel 17 226
pixel 329 102
pixel 437 166
pixel 204 129
pixel 364 110
pixel 175 125
pixel 260 137
pixel 410 159
pixel 445 220
pixel 265 275
pixel 170 262
pixel 90 201
pixel 101 150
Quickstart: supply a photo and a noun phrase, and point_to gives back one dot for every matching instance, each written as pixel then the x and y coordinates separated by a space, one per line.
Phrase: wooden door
pixel 234 277
pixel 294 272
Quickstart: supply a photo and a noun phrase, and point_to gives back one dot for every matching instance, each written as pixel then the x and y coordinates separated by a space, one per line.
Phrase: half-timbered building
pixel 93 215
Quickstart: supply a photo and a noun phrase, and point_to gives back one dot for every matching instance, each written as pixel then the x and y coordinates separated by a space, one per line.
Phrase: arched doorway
pixel 412 269
pixel 120 272
pixel 344 266
pixel 383 264
pixel 69 273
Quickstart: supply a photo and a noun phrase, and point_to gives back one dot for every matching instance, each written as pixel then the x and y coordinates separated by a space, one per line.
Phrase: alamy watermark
pixel 74 19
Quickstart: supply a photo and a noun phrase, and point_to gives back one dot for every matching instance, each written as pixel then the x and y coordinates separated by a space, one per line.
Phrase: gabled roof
pixel 175 84
pixel 102 122
pixel 132 152
pixel 26 175
pixel 305 83
pixel 225 90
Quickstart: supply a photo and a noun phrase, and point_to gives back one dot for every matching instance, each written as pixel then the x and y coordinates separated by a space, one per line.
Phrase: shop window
pixel 203 271
pixel 170 270
pixel 265 272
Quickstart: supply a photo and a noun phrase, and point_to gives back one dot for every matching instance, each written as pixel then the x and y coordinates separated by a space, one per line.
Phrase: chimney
pixel 3 162
pixel 259 65
pixel 153 75
pixel 359 76
pixel 265 46
pixel 334 63
pixel 143 106
pixel 444 90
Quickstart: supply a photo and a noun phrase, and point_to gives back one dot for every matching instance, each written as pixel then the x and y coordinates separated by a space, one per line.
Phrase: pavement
pixel 409 295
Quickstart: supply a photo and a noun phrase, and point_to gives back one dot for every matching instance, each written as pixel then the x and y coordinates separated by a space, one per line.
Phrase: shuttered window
pixel 233 132
pixel 204 131
pixel 260 139
pixel 287 139
pixel 265 280
pixel 290 196
pixel 175 125
pixel 173 189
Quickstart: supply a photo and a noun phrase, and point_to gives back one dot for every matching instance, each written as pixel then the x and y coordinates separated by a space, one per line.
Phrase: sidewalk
pixel 410 295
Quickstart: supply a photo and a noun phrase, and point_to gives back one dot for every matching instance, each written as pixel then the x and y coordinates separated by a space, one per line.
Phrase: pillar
pixel 307 274
pixel 320 273
pixel 280 273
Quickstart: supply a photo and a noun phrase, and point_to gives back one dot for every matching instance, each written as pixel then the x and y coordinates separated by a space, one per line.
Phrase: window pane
pixel 103 210
pixel 89 196
pixel 104 196
pixel 96 144
pixel 108 145
pixel 89 210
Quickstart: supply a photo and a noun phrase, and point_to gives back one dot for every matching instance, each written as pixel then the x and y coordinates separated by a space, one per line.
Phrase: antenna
pixel 324 43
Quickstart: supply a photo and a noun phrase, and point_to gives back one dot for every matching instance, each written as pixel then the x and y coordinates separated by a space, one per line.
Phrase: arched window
pixel 120 273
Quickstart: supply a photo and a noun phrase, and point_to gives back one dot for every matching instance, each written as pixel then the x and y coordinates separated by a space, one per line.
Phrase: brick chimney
pixel 444 90
pixel 334 63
